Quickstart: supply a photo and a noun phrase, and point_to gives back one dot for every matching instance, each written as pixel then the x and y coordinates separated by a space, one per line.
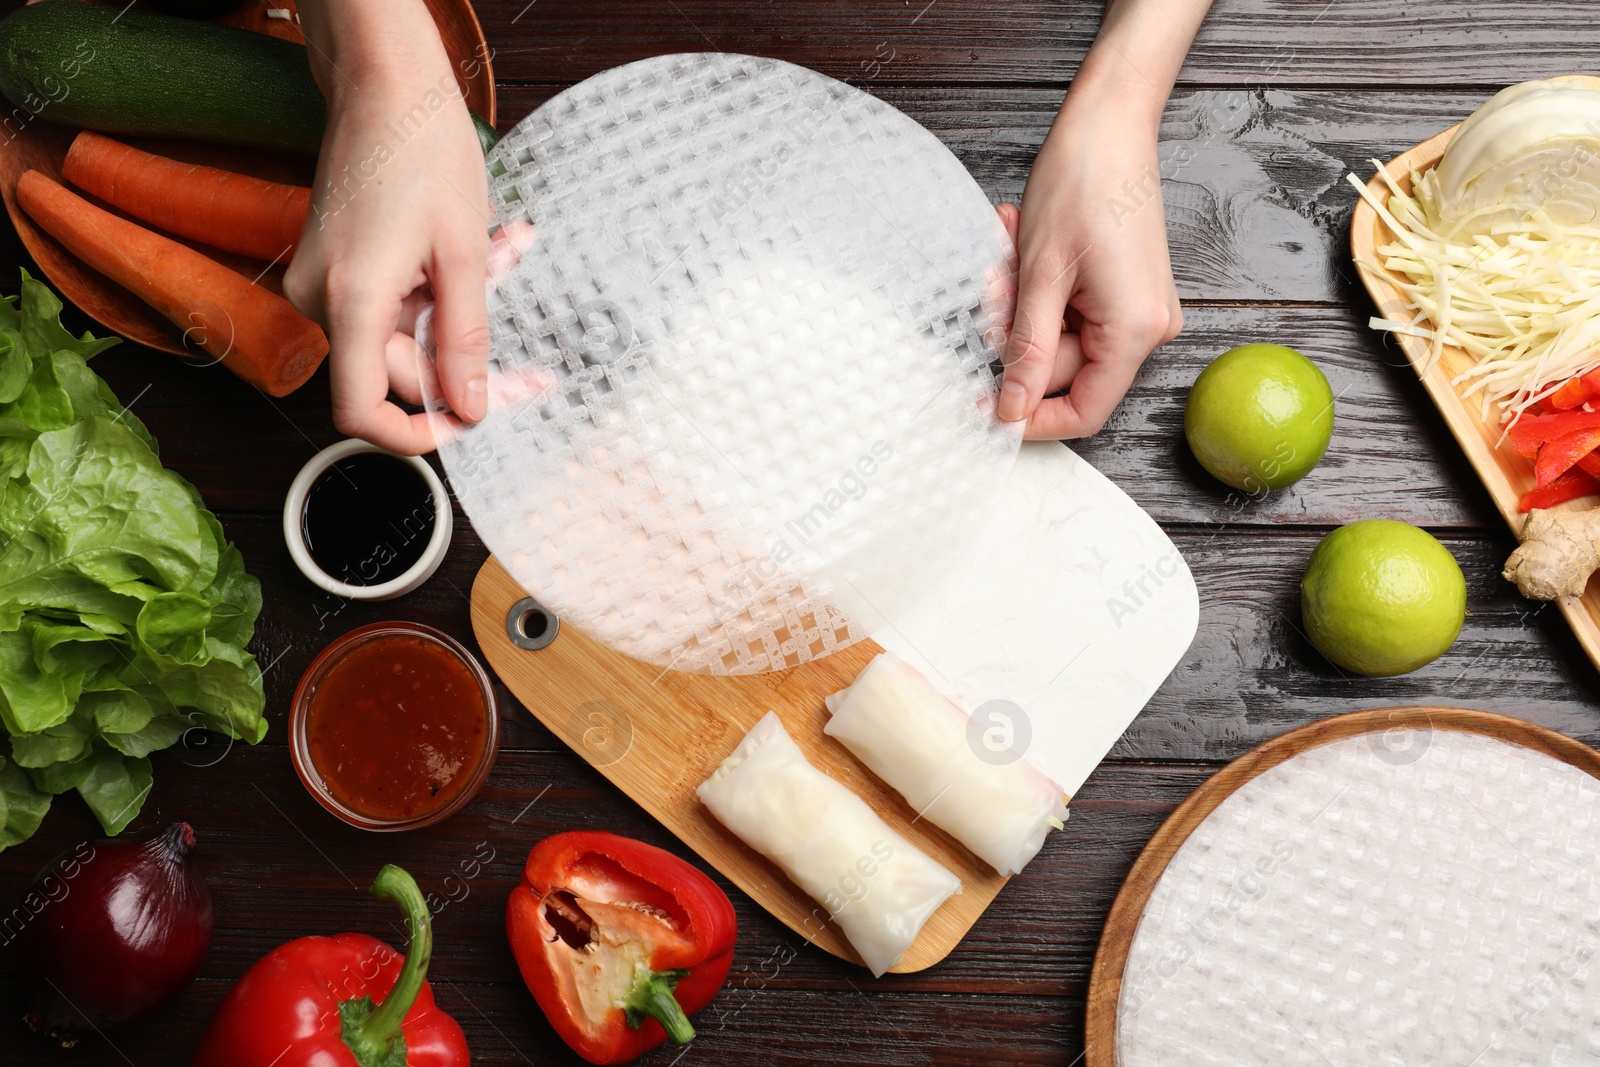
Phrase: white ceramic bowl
pixel 294 508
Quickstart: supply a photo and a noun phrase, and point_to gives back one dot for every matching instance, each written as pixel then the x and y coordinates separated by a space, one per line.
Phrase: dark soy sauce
pixel 368 518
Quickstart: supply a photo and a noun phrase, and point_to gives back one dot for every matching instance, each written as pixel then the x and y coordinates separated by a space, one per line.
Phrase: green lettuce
pixel 124 610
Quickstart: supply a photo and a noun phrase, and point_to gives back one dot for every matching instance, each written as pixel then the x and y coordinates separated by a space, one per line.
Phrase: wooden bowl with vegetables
pixel 1487 298
pixel 259 117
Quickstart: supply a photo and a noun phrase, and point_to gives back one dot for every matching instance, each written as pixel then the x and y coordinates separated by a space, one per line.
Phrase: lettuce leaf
pixel 125 613
pixel 22 807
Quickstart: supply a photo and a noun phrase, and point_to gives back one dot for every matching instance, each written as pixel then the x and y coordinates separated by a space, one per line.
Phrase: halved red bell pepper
pixel 1571 485
pixel 1561 454
pixel 308 1003
pixel 618 941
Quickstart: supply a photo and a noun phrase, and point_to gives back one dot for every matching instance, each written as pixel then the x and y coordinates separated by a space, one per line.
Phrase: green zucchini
pixel 131 72
pixel 487 137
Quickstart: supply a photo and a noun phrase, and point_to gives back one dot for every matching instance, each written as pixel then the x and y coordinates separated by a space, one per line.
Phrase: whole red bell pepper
pixel 308 1003
pixel 618 941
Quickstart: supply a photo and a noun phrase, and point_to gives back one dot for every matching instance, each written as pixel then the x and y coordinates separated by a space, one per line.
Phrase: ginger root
pixel 1559 551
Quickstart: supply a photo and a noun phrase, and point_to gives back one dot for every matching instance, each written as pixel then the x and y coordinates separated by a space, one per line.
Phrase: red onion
pixel 122 927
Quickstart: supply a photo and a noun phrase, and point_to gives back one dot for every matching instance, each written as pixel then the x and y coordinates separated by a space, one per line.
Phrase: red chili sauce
pixel 396 727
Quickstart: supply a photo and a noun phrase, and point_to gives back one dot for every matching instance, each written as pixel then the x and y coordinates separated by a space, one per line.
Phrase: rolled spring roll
pixel 879 887
pixel 911 736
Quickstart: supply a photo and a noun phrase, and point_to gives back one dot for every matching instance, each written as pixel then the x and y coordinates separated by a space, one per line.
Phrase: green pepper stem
pixel 652 996
pixel 372 1036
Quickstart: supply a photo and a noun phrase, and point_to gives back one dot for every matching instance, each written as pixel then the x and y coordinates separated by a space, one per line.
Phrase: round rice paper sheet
pixel 743 379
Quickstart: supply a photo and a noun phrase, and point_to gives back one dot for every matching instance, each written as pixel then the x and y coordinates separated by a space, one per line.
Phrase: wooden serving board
pixel 658 734
pixel 1116 938
pixel 1506 474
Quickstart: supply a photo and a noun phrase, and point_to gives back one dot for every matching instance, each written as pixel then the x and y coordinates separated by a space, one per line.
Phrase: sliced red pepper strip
pixel 1560 455
pixel 1532 431
pixel 1575 392
pixel 618 941
pixel 1591 463
pixel 309 1002
pixel 1571 485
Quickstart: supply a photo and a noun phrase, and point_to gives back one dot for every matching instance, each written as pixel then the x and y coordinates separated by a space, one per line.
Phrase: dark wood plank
pixel 1250 674
pixel 1252 180
pixel 260 829
pixel 767 1026
pixel 279 868
pixel 1390 455
pixel 1281 99
pixel 1243 42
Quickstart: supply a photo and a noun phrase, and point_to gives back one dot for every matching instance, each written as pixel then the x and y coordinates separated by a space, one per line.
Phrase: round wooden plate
pixel 41 145
pixel 1116 939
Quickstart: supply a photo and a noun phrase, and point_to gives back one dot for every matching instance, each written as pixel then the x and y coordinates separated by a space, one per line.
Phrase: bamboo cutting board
pixel 1505 473
pixel 659 734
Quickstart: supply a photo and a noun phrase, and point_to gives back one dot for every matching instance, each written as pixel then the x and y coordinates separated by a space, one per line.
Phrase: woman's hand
pixel 1094 282
pixel 399 214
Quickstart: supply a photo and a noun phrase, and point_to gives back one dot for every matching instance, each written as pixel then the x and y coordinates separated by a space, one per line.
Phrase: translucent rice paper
pixel 908 734
pixel 879 887
pixel 1414 897
pixel 762 308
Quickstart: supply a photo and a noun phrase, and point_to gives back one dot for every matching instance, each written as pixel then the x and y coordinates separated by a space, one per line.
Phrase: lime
pixel 1382 597
pixel 1259 417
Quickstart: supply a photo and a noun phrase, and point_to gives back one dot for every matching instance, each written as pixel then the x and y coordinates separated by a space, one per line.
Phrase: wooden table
pixel 1279 99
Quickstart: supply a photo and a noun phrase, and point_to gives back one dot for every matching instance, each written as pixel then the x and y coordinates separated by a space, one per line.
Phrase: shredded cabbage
pixel 1523 301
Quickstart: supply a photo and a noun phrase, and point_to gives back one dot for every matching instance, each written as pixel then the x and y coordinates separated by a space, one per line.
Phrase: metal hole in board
pixel 530 625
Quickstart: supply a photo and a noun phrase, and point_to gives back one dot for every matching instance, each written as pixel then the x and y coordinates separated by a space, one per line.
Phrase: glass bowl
pixel 329 660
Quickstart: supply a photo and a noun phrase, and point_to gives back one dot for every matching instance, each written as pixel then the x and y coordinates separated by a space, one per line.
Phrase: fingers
pixel 411 307
pixel 1069 361
pixel 1011 219
pixel 1035 335
pixel 1096 391
pixel 522 385
pixel 507 246
pixel 411 378
pixel 461 318
pixel 303 289
pixel 1112 355
pixel 361 326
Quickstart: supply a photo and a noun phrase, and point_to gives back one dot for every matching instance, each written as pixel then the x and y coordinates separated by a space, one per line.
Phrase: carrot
pixel 230 211
pixel 252 331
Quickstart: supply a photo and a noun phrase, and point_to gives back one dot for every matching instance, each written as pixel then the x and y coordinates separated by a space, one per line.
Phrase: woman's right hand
pixel 399 215
pixel 1094 287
